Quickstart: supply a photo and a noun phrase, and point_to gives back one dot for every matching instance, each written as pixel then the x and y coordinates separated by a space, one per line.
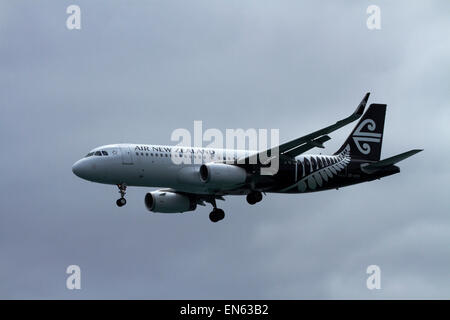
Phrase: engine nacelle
pixel 169 202
pixel 222 174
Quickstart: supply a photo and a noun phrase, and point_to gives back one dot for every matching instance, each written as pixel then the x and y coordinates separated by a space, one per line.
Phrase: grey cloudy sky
pixel 137 70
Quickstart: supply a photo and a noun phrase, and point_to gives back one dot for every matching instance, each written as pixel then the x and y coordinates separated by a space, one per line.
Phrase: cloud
pixel 135 72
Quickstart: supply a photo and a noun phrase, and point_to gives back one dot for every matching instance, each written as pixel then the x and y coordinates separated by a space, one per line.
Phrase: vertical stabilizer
pixel 366 138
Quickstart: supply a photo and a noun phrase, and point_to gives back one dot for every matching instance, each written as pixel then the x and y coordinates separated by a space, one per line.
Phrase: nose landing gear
pixel 121 201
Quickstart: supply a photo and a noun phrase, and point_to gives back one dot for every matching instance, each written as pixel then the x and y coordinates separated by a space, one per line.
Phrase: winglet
pixel 355 115
pixel 360 109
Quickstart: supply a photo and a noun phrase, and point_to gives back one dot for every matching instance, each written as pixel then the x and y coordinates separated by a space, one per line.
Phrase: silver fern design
pixel 319 177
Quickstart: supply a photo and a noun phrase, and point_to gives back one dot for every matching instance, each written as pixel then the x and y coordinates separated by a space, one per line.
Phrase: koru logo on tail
pixel 365 136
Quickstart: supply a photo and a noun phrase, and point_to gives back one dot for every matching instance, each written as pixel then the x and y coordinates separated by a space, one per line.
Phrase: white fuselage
pixel 151 165
pixel 160 166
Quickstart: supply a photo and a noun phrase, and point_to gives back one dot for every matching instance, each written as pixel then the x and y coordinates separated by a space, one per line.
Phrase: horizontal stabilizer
pixel 376 166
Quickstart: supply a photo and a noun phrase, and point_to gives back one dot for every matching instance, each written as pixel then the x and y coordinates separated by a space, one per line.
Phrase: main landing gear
pixel 217 214
pixel 121 201
pixel 254 197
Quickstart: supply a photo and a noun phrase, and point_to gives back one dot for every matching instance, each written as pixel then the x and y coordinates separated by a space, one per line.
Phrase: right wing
pixel 300 145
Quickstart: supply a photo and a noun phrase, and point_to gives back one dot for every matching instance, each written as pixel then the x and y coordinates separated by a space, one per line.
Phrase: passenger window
pixel 104 153
pixel 98 153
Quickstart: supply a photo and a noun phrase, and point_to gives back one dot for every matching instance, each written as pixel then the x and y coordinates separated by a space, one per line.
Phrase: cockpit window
pixel 97 153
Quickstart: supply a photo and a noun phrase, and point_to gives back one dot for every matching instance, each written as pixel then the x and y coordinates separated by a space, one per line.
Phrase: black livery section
pixel 356 161
pixel 366 138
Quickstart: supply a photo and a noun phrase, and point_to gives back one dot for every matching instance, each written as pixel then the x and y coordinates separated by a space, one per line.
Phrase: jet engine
pixel 221 174
pixel 169 202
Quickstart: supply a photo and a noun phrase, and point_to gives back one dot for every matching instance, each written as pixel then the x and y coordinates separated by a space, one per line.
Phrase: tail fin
pixel 366 138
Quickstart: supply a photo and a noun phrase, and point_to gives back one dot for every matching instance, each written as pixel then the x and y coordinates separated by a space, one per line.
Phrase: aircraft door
pixel 127 156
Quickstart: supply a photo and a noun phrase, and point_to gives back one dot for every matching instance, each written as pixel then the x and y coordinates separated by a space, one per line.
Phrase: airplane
pixel 208 174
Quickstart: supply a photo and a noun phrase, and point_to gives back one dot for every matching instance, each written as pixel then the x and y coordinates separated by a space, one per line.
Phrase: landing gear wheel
pixel 121 202
pixel 216 215
pixel 254 197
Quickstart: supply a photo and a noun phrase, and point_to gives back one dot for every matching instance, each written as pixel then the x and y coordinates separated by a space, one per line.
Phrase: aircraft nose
pixel 79 168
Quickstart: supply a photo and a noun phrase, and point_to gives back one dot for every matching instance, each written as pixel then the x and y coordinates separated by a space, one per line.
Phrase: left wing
pixel 300 145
